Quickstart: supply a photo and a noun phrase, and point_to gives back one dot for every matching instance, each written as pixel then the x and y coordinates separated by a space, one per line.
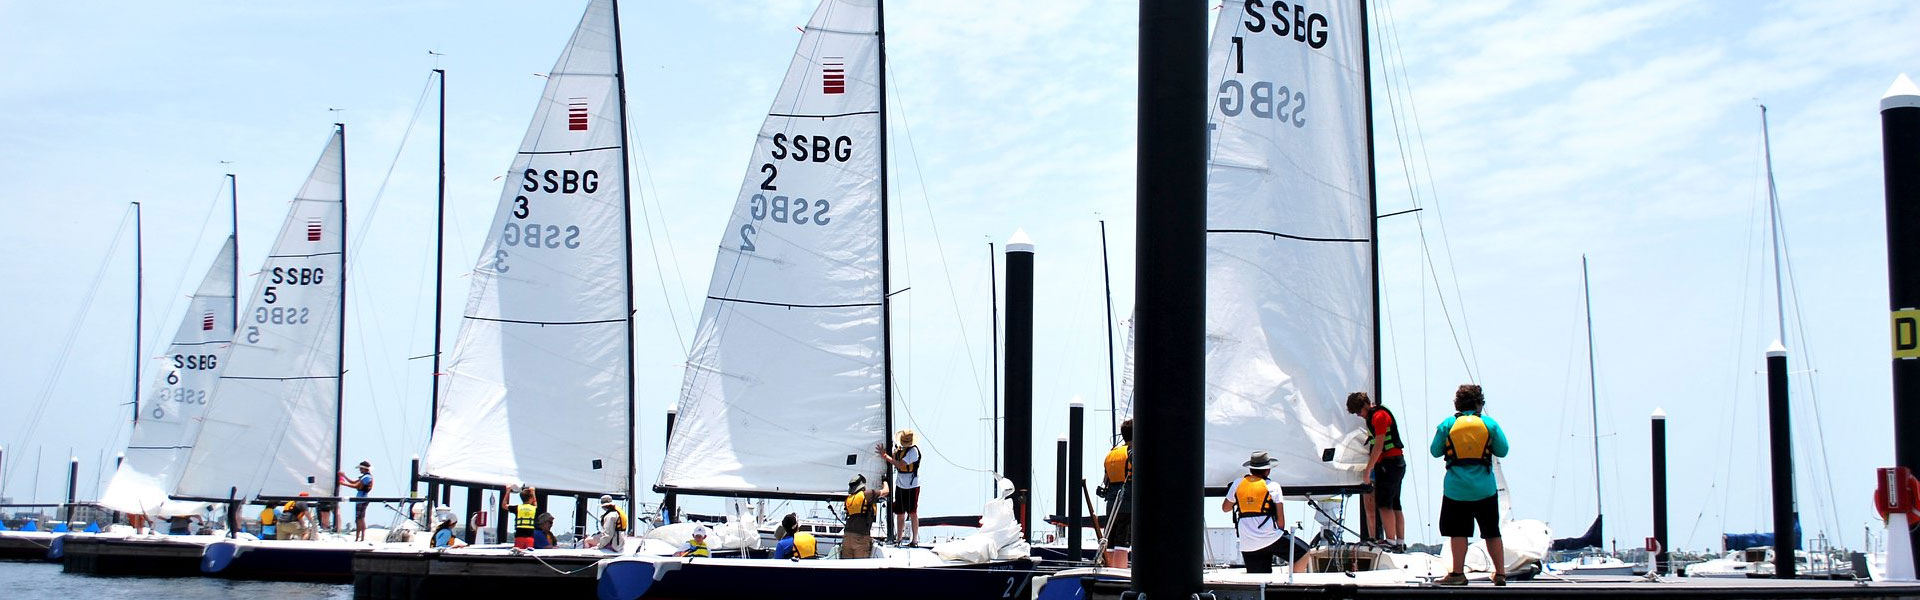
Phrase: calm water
pixel 44 580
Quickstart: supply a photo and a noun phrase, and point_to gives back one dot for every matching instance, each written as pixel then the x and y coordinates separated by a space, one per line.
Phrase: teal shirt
pixel 1470 482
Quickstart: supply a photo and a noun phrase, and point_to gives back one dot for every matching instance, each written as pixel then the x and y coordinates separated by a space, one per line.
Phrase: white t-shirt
pixel 1257 531
pixel 909 480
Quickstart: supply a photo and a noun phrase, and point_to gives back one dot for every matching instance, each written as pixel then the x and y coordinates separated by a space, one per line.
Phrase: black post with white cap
pixel 1659 453
pixel 1060 498
pixel 1900 151
pixel 1019 379
pixel 1780 431
pixel 73 483
pixel 1076 455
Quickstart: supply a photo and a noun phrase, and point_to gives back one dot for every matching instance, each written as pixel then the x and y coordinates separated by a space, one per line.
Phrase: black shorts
pixel 1386 482
pixel 1457 517
pixel 906 500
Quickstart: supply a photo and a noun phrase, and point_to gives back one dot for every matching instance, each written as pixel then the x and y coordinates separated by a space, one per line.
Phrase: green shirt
pixel 1470 482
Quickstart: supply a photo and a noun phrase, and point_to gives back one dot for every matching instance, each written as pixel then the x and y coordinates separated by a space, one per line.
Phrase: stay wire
pixel 73 332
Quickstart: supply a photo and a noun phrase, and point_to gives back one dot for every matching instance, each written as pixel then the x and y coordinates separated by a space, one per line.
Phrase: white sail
pixel 1290 324
pixel 271 425
pixel 1124 408
pixel 784 389
pixel 537 387
pixel 176 398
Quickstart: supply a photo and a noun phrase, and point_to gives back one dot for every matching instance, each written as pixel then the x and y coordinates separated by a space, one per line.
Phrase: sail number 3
pixel 519 232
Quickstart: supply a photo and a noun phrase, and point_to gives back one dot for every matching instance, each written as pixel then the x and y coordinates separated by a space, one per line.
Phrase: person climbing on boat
pixel 856 541
pixel 1116 488
pixel 1386 468
pixel 523 514
pixel 795 543
pixel 696 547
pixel 1254 501
pixel 905 459
pixel 1469 441
pixel 361 486
pixel 443 536
pixel 612 522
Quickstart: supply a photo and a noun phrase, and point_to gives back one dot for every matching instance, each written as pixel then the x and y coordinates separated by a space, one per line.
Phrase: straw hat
pixel 905 438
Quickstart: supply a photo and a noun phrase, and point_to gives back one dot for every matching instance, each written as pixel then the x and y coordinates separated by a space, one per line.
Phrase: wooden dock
pixel 474 573
pixel 144 555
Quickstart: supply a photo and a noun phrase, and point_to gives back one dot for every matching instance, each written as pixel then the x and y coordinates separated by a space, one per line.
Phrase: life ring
pixel 1911 492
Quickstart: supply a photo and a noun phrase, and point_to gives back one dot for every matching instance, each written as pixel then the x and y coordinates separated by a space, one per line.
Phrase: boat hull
pixel 149 556
pixel 26 545
pixel 422 574
pixel 279 561
pixel 723 579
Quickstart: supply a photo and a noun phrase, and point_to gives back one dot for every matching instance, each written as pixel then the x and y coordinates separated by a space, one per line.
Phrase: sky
pixel 1530 134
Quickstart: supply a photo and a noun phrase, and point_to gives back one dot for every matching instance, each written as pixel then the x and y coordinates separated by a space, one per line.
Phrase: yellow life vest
pixel 1467 441
pixel 803 545
pixel 857 503
pixel 266 517
pixel 1250 499
pixel 906 467
pixel 524 515
pixel 698 548
pixel 623 517
pixel 1119 465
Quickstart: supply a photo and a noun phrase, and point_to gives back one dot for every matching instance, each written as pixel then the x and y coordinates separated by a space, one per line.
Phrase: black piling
pixel 1900 151
pixel 1660 562
pixel 1019 382
pixel 73 483
pixel 669 503
pixel 1060 480
pixel 1780 430
pixel 1170 198
pixel 1076 444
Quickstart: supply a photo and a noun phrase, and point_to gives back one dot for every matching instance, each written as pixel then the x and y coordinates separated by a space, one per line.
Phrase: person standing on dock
pixel 1469 441
pixel 524 515
pixel 857 540
pixel 1386 468
pixel 905 459
pixel 1116 488
pixel 1254 501
pixel 361 487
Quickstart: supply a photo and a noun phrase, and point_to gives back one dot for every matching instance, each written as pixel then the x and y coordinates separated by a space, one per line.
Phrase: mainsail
pixel 271 426
pixel 785 391
pixel 1290 263
pixel 537 388
pixel 170 412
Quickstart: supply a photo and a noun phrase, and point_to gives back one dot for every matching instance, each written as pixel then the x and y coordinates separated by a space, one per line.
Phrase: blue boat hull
pixel 741 579
pixel 278 562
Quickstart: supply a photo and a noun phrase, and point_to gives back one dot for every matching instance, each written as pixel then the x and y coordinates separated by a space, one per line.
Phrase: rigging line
pixel 651 198
pixel 73 332
pixel 1806 350
pixel 366 221
pixel 1440 294
pixel 366 383
pixel 925 438
pixel 1419 133
pixel 933 224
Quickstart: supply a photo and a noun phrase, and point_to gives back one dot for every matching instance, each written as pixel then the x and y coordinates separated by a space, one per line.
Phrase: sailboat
pixel 270 427
pixel 1591 564
pixel 787 386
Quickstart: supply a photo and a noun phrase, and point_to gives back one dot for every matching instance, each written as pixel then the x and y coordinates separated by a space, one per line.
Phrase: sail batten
pixel 1290 323
pixel 271 424
pixel 170 411
pixel 536 389
pixel 784 392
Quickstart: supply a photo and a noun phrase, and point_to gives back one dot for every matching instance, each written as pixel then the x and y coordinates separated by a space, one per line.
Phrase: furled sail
pixel 1290 323
pixel 537 388
pixel 271 426
pixel 784 391
pixel 177 396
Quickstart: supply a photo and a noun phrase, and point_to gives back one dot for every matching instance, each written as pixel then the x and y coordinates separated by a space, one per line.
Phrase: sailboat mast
pixel 886 270
pixel 439 255
pixel 1113 391
pixel 139 288
pixel 1373 198
pixel 1773 227
pixel 1593 388
pixel 626 224
pixel 340 382
pixel 993 290
pixel 233 200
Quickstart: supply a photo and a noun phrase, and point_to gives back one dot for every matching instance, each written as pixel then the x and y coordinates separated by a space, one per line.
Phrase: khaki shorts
pixel 854 545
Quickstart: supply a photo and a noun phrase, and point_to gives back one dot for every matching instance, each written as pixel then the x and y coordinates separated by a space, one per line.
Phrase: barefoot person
pixel 905 459
pixel 1386 467
pixel 1469 441
pixel 361 486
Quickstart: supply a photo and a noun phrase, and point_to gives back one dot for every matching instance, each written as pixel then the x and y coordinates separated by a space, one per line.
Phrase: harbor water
pixel 34 581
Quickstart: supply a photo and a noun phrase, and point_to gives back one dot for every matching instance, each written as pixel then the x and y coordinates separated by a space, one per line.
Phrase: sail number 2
pixel 765 208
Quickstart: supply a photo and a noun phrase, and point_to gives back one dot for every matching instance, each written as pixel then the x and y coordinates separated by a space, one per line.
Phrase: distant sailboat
pixel 1595 536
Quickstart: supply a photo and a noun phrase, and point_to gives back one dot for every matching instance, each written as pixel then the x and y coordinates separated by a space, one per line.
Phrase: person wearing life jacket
pixel 905 459
pixel 1386 468
pixel 613 521
pixel 525 515
pixel 696 547
pixel 1469 441
pixel 1258 515
pixel 795 543
pixel 268 515
pixel 1116 487
pixel 856 541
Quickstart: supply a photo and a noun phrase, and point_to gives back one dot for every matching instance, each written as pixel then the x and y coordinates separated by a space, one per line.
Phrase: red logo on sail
pixel 206 322
pixel 833 75
pixel 313 229
pixel 576 114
